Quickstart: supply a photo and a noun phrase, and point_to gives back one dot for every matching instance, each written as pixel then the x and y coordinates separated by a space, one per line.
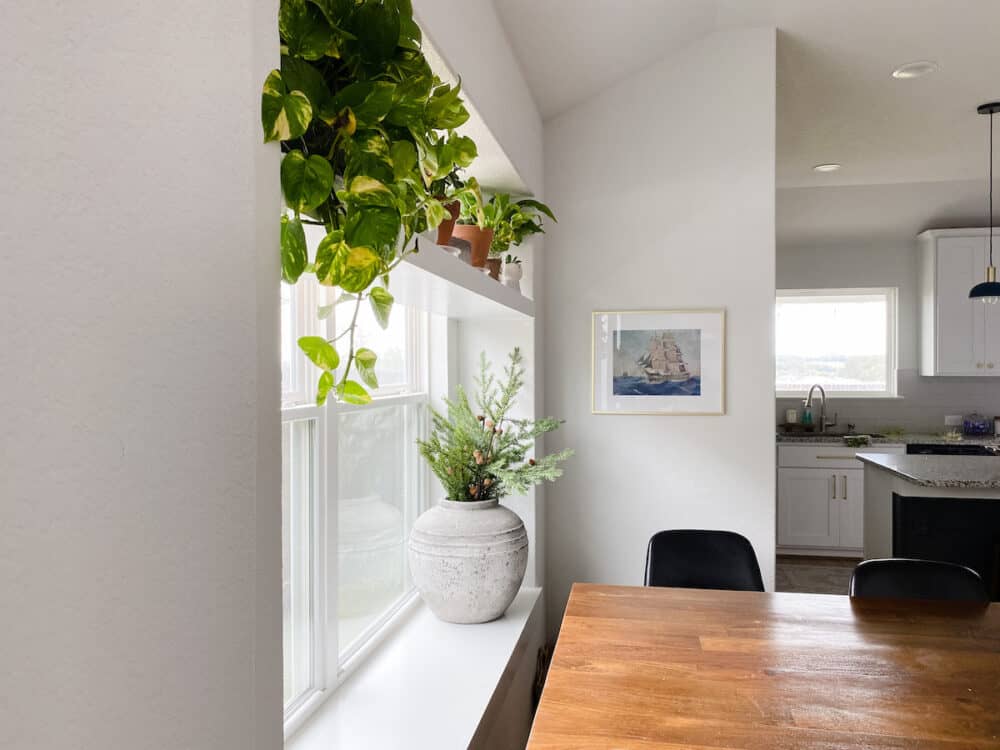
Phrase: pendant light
pixel 989 290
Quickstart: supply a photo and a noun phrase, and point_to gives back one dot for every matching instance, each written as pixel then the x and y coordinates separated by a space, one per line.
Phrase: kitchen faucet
pixel 823 424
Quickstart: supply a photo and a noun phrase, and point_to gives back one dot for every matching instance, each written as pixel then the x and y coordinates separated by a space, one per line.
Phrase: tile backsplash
pixel 924 404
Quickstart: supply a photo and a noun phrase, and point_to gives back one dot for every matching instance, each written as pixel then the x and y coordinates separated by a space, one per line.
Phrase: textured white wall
pixel 471 39
pixel 664 187
pixel 140 452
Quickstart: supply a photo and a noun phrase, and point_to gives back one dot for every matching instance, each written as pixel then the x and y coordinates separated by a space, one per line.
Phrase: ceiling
pixel 837 101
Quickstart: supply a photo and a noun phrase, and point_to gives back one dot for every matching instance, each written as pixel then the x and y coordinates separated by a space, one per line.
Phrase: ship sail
pixel 664 361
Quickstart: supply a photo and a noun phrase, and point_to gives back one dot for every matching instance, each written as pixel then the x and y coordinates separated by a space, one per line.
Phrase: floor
pixel 813 575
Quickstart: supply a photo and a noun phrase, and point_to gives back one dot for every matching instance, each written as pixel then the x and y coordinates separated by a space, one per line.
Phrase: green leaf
pixel 436 212
pixel 360 267
pixel 283 114
pixel 294 255
pixel 352 392
pixel 404 159
pixel 337 13
pixel 367 191
pixel 463 150
pixel 302 76
pixel 409 100
pixel 330 258
pixel 320 352
pixel 381 302
pixel 323 388
pixel 304 30
pixel 306 183
pixel 376 24
pixel 538 206
pixel 353 269
pixel 369 101
pixel 374 227
pixel 324 311
pixel 409 33
pixel 445 110
pixel 365 360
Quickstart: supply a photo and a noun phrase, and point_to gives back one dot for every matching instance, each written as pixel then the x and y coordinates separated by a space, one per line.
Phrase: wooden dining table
pixel 644 668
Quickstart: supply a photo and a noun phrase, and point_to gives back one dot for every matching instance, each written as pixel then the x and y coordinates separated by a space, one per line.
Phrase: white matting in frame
pixel 670 362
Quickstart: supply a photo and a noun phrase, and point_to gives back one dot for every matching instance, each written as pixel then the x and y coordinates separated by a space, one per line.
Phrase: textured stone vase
pixel 468 559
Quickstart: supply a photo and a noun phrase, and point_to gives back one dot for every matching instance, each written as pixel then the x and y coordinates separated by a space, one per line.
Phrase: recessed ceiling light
pixel 826 167
pixel 915 69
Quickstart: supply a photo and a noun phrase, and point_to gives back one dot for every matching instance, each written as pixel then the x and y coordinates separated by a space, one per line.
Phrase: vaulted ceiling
pixel 837 100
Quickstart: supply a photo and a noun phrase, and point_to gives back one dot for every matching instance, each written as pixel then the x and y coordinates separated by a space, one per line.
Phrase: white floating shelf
pixel 435 280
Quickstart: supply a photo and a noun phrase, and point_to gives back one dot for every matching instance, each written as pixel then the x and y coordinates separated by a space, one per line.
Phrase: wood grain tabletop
pixel 644 668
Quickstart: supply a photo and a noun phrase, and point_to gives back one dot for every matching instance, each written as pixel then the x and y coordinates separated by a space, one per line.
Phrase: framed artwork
pixel 659 362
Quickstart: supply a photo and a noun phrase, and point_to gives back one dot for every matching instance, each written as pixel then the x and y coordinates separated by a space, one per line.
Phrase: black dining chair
pixel 698 559
pixel 900 578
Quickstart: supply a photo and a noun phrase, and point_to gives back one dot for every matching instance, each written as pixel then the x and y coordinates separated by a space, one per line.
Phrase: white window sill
pixel 428 685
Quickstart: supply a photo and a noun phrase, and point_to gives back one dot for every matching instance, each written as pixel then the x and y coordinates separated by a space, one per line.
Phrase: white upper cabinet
pixel 959 336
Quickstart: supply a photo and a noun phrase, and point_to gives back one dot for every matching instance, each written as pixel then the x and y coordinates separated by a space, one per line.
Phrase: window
pixel 843 339
pixel 352 486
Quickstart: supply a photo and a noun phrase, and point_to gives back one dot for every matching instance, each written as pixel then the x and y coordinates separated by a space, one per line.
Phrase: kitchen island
pixel 934 507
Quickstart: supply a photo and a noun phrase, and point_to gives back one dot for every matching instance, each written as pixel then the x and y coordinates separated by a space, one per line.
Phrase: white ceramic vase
pixel 468 559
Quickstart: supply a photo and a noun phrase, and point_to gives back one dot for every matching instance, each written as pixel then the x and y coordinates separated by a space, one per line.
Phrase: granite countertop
pixel 961 472
pixel 904 439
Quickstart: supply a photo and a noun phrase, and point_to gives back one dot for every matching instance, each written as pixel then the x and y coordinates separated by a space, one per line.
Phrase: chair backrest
pixel 899 578
pixel 696 559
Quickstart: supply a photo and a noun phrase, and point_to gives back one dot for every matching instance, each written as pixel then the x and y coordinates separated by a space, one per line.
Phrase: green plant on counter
pixel 368 135
pixel 485 455
pixel 511 221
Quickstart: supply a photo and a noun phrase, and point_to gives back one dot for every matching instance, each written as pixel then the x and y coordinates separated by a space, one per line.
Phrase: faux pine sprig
pixel 486 455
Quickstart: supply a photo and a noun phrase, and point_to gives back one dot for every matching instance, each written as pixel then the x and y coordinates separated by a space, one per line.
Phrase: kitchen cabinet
pixel 959 336
pixel 821 498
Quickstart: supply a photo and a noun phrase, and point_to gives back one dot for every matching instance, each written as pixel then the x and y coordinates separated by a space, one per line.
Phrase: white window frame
pixel 891 295
pixel 329 666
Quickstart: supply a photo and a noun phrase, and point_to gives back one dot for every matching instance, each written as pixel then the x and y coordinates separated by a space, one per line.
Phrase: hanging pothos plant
pixel 368 135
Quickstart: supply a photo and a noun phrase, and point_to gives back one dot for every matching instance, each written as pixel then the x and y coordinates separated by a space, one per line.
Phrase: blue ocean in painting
pixel 633 386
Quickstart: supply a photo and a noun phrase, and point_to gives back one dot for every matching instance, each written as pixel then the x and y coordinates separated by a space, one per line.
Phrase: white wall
pixel 471 40
pixel 664 188
pixel 881 262
pixel 140 454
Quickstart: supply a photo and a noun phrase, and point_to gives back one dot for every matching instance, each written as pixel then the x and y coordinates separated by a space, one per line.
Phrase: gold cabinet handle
pixel 989 365
pixel 844 477
pixel 834 478
pixel 835 458
pixel 979 365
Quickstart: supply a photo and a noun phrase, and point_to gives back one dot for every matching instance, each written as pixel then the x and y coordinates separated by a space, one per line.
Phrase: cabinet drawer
pixel 824 456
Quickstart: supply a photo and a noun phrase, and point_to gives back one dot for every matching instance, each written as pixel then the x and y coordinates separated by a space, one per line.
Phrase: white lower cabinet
pixel 821 494
pixel 807 515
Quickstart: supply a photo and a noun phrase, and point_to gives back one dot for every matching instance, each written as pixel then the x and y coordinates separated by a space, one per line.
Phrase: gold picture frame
pixel 658 362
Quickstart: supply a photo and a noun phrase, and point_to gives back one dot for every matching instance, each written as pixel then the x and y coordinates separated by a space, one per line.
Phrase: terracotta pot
pixel 480 240
pixel 446 227
pixel 494 265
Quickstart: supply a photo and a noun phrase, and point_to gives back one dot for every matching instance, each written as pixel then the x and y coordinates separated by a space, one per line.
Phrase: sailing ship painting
pixel 657 363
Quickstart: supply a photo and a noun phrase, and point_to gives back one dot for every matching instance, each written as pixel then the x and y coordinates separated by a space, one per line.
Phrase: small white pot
pixel 468 559
pixel 511 275
pixel 512 272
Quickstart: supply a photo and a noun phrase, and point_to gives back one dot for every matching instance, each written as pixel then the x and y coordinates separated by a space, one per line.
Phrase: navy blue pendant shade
pixel 989 290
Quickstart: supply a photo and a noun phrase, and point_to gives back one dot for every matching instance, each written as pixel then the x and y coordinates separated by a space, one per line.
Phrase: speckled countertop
pixel 957 472
pixel 905 438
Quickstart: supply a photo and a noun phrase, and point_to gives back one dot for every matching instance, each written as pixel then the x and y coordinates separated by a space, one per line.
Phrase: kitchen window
pixel 352 486
pixel 843 339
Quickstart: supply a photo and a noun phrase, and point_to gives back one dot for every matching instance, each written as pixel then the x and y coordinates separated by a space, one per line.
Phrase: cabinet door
pixel 992 336
pixel 808 516
pixel 960 325
pixel 851 497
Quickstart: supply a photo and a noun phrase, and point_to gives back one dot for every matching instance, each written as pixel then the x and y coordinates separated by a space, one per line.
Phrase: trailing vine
pixel 369 142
